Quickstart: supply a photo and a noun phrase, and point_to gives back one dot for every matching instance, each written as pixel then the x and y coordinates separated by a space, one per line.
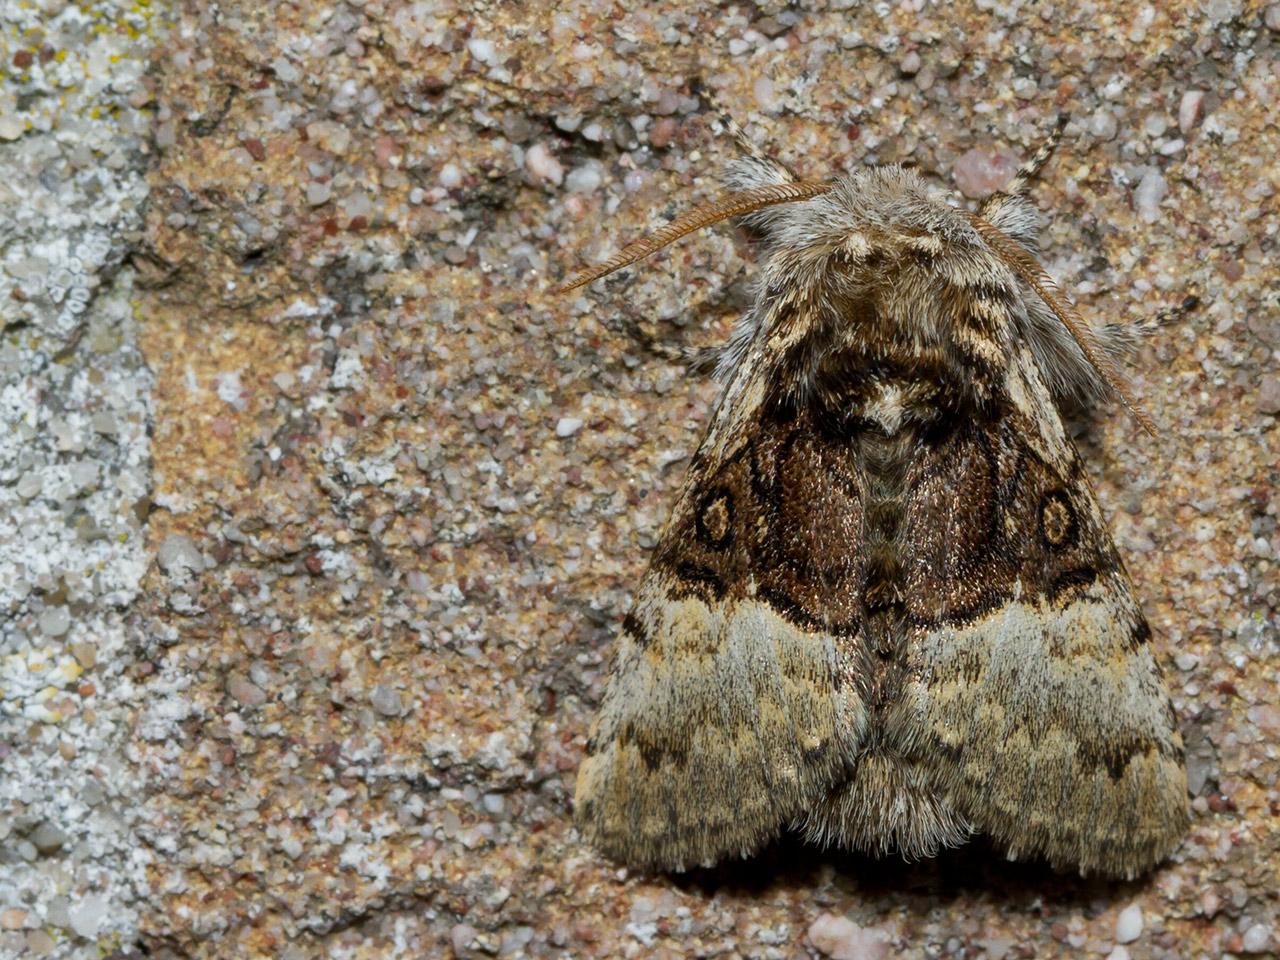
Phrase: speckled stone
pixel 362 527
pixel 75 471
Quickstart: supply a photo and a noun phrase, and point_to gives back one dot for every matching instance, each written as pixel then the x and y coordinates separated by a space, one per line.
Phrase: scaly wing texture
pixel 1044 715
pixel 731 707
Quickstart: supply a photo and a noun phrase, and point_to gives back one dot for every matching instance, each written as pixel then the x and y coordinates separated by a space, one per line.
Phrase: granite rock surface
pixel 320 515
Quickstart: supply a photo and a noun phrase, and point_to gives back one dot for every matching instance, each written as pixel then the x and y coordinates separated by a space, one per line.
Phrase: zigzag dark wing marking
pixel 729 710
pixel 1045 718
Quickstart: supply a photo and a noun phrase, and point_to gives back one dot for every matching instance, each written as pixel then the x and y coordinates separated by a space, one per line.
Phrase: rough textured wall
pixel 396 494
pixel 75 481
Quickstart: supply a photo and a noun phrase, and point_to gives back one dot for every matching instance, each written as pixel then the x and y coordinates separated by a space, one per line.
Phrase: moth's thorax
pixel 895 304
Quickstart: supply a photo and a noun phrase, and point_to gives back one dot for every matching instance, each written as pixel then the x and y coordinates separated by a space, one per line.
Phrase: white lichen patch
pixel 74 465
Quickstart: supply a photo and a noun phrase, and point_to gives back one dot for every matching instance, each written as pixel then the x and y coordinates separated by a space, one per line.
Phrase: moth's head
pixel 870 224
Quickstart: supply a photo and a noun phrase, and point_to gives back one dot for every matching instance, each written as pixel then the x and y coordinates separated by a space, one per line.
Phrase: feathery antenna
pixel 732 205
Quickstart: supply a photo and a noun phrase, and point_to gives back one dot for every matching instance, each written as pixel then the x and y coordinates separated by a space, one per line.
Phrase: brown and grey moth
pixel 886 610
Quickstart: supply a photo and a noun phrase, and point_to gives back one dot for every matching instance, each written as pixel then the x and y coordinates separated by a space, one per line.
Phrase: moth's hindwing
pixel 731 709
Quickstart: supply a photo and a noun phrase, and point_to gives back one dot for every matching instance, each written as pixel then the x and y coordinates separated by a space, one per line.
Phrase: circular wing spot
pixel 715 519
pixel 1057 519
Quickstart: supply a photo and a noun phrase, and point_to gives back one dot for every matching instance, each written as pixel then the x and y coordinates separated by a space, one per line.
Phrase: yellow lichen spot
pixel 69 670
pixel 45 715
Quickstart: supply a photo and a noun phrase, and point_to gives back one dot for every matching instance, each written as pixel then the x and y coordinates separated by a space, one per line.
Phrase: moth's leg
pixel 1122 339
pixel 701 361
pixel 1031 169
pixel 698 361
pixel 755 168
pixel 1009 210
pixel 745 143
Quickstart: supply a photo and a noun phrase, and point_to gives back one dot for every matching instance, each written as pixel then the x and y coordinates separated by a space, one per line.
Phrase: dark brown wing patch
pixel 781 519
pixel 989 518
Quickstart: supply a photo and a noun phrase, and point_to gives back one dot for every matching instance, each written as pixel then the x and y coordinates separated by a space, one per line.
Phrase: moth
pixel 886 610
